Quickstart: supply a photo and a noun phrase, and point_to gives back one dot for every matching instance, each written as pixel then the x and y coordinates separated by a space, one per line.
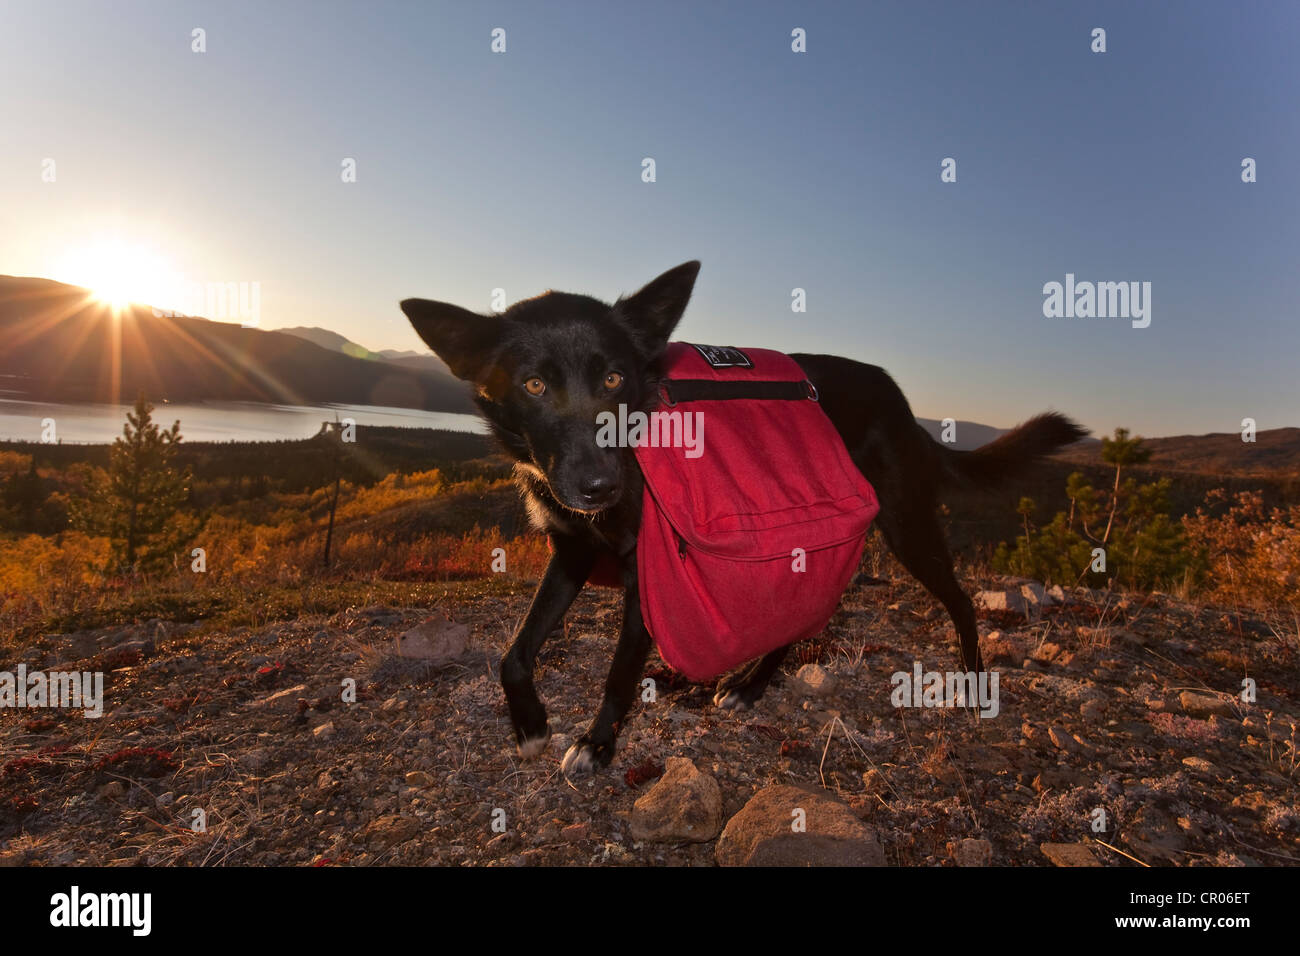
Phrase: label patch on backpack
pixel 723 356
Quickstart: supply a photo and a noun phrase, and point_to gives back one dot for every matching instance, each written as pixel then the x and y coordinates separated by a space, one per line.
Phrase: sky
pixel 780 170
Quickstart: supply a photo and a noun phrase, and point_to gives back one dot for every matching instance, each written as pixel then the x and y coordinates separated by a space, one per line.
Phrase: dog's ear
pixel 651 314
pixel 463 339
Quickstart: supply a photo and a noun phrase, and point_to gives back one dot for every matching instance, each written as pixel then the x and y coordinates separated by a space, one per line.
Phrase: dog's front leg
pixel 566 573
pixel 595 748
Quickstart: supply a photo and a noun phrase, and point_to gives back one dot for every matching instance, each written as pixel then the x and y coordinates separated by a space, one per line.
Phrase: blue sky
pixel 778 170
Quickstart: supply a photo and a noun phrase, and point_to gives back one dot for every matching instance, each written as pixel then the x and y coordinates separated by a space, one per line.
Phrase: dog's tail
pixel 1011 454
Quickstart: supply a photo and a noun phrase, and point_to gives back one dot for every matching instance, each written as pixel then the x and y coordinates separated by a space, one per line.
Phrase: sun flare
pixel 119 273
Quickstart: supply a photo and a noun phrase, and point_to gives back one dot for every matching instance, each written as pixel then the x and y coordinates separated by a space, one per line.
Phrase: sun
pixel 119 273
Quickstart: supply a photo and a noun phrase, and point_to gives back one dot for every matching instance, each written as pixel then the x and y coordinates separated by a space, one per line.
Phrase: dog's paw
pixel 731 699
pixel 586 757
pixel 532 746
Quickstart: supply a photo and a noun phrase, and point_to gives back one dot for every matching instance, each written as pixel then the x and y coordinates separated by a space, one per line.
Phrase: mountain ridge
pixel 61 345
pixel 58 348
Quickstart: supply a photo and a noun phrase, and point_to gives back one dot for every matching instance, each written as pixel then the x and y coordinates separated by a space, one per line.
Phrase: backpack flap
pixel 754 518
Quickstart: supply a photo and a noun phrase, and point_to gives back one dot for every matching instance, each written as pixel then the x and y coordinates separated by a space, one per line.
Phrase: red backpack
pixel 754 515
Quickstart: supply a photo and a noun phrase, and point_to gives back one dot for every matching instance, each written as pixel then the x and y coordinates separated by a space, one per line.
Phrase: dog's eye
pixel 534 386
pixel 613 380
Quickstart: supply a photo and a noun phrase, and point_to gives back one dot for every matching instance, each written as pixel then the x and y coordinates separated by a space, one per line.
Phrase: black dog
pixel 547 366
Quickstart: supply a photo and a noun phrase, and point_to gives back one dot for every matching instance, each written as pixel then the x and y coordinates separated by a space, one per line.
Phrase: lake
pixel 214 421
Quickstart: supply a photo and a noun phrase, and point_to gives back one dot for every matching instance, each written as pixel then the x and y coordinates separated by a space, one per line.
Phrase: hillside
pixel 1275 453
pixel 1124 703
pixel 63 346
pixel 337 343
pixel 968 435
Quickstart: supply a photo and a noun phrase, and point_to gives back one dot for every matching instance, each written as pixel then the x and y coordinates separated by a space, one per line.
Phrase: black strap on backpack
pixel 674 391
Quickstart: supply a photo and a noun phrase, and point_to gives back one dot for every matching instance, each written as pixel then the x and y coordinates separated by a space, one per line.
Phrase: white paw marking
pixel 578 759
pixel 533 746
pixel 730 700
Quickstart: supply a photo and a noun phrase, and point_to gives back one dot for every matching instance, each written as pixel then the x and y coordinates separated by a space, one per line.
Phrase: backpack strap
pixel 674 391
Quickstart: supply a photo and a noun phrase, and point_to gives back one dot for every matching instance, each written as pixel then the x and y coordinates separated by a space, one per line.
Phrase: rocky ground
pixel 1121 739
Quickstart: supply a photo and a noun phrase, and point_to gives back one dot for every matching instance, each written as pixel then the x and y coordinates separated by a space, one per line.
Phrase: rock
pixel 1002 648
pixel 1092 708
pixel 1200 704
pixel 324 731
pixel 418 778
pixel 1035 597
pixel 1057 594
pixel 1064 740
pixel 1002 601
pixel 165 800
pixel 1046 653
pixel 574 833
pixel 973 853
pixel 764 832
pixel 391 829
pixel 437 639
pixel 1069 854
pixel 1152 834
pixel 1060 780
pixel 816 680
pixel 125 654
pixel 684 805
pixel 1200 764
pixel 548 833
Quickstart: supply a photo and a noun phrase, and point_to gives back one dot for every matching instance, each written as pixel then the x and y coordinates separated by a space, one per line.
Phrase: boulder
pixel 684 806
pixel 797 825
pixel 1202 704
pixel 1069 854
pixel 1003 601
pixel 437 640
pixel 973 853
pixel 816 680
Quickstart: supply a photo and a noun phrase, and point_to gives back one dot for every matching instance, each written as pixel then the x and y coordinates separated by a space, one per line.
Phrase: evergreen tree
pixel 22 496
pixel 136 503
pixel 1120 451
pixel 1143 546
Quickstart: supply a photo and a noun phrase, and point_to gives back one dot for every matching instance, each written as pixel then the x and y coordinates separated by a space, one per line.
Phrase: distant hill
pixel 1274 453
pixel 60 345
pixel 968 435
pixel 322 337
pixel 427 362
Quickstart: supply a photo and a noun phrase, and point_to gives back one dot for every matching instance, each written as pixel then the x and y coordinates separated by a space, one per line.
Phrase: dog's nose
pixel 598 490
